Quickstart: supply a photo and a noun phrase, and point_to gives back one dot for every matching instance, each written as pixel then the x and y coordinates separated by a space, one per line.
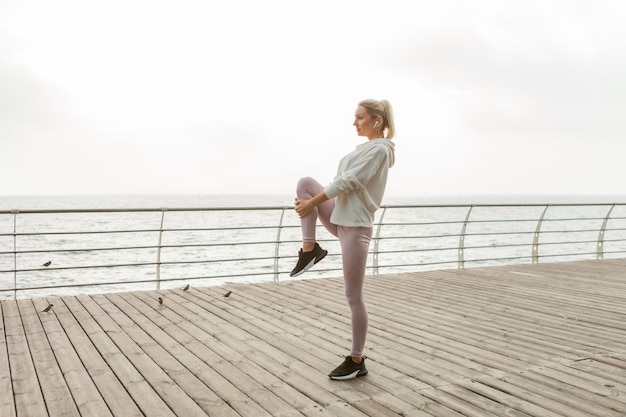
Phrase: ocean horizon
pixel 127 201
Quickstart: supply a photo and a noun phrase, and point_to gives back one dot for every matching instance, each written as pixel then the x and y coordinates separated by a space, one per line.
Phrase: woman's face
pixel 364 123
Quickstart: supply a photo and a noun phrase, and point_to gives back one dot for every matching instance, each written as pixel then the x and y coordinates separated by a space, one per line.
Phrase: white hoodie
pixel 360 183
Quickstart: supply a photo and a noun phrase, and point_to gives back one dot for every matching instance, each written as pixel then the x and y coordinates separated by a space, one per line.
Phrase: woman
pixel 346 208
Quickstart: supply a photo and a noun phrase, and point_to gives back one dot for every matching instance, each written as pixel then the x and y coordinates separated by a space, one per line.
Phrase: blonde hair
pixel 383 109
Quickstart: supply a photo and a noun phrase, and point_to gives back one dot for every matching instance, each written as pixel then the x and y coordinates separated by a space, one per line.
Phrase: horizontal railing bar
pixel 274 208
pixel 560 219
pixel 614 251
pixel 531 220
pixel 466 248
pixel 296 226
pixel 144 210
pixel 417 264
pixel 69 268
pixel 502 220
pixel 96 232
pixel 195 245
pixel 405 237
pixel 453 235
pixel 92 232
pixel 78 250
pixel 488 221
pixel 560 255
pixel 418 223
pixel 409 237
pixel 274 227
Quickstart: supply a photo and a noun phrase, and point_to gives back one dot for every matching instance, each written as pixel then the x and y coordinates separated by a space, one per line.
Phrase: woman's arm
pixel 304 207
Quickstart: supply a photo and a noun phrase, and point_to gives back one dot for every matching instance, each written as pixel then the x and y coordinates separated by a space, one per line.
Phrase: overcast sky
pixel 246 96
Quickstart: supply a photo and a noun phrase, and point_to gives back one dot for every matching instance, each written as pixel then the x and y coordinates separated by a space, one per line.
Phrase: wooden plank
pixel 492 315
pixel 121 362
pixel 7 405
pixel 78 326
pixel 151 331
pixel 406 334
pixel 200 332
pixel 255 326
pixel 595 366
pixel 159 383
pixel 485 405
pixel 369 389
pixel 538 394
pixel 508 400
pixel 579 390
pixel 27 393
pixel 54 387
pixel 225 356
pixel 483 323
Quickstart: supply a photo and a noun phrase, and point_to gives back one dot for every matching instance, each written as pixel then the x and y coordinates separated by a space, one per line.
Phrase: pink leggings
pixel 354 249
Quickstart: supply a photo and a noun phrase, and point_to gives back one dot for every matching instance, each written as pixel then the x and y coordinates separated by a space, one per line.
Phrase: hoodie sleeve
pixel 359 173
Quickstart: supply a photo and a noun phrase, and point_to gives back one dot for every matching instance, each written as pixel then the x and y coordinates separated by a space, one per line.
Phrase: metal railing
pixel 53 252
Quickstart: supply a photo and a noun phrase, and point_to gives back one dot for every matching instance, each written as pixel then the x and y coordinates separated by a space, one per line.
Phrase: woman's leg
pixel 308 188
pixel 354 249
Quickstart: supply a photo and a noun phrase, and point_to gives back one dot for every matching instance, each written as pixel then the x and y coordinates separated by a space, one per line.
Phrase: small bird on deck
pixel 186 288
pixel 160 301
pixel 47 264
pixel 47 309
pixel 228 294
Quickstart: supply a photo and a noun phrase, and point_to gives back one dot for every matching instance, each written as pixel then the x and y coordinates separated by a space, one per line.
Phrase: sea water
pixel 213 247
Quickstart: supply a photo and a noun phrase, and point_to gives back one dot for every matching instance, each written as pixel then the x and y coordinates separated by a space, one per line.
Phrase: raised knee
pixel 305 181
pixel 304 187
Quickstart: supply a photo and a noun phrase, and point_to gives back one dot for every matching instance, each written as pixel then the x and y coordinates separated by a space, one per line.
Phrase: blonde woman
pixel 346 208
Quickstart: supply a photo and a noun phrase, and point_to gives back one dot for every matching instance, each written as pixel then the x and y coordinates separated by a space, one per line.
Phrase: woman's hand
pixel 304 207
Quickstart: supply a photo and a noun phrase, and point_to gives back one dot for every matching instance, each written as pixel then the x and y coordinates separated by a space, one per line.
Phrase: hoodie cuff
pixel 331 191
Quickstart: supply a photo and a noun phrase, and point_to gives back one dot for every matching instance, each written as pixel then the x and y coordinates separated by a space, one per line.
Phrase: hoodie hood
pixel 387 143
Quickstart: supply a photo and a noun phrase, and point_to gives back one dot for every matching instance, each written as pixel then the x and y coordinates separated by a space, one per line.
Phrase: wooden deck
pixel 531 340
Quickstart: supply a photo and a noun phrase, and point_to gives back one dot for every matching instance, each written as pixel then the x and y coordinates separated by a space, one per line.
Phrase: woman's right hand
pixel 303 207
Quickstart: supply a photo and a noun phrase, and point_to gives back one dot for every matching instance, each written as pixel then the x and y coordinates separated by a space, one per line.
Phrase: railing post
pixel 600 246
pixel 14 253
pixel 158 266
pixel 461 261
pixel 377 240
pixel 535 254
pixel 277 246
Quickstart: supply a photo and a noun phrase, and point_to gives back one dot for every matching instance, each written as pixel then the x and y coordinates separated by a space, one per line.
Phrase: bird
pixel 186 288
pixel 47 264
pixel 47 309
pixel 228 294
pixel 160 301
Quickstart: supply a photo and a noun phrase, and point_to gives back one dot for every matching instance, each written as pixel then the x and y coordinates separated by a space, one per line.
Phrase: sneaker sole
pixel 353 375
pixel 310 264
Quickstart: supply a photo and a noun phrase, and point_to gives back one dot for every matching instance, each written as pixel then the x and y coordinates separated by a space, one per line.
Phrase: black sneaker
pixel 307 259
pixel 349 369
